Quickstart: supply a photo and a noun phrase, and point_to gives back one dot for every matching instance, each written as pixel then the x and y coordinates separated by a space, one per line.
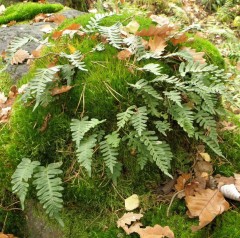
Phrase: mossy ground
pixel 92 205
pixel 26 11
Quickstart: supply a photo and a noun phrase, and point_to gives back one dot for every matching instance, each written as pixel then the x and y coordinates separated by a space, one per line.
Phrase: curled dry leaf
pixel 132 202
pixel 197 56
pixel 221 180
pixel 230 191
pixel 237 181
pixel 124 54
pixel 40 17
pixel 63 89
pixel 126 220
pixel 19 57
pixel 181 181
pixel 179 38
pixel 206 204
pixel 161 31
pixel 202 166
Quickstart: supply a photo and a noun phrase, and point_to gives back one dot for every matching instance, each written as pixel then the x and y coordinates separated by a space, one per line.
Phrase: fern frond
pixel 124 117
pixel 195 67
pixel 182 54
pixel 85 152
pixel 116 172
pixel 163 126
pixel 135 46
pixel 184 117
pixel 110 153
pixel 174 96
pixel 21 176
pixel 153 68
pixel 80 128
pixel 75 59
pixel 38 85
pixel 152 104
pixel 139 120
pixel 113 34
pixel 49 187
pixel 159 150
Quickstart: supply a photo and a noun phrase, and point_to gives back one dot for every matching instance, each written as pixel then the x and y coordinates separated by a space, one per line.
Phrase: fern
pixel 39 83
pixel 139 120
pixel 195 67
pixel 109 151
pixel 182 54
pixel 163 126
pixel 135 46
pixel 153 68
pixel 85 152
pixel 76 60
pixel 49 188
pixel 174 96
pixel 113 34
pixel 124 117
pixel 80 128
pixel 21 176
pixel 184 117
pixel 159 151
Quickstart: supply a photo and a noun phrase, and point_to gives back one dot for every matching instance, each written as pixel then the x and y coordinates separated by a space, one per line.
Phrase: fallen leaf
pixel 222 180
pixel 56 18
pixel 228 126
pixel 124 54
pixel 202 166
pixel 155 232
pixel 132 27
pixel 63 89
pixel 160 20
pixel 205 156
pixel 132 202
pixel 237 181
pixel 230 191
pixel 56 35
pixel 191 188
pixel 126 220
pixel 181 181
pixel 40 17
pixel 4 54
pixel 73 26
pixel 157 44
pixel 197 56
pixel 179 38
pixel 206 204
pixel 19 57
pixel 45 123
pixel 11 23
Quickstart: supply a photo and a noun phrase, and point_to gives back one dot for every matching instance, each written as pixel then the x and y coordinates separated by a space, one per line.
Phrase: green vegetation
pixel 26 11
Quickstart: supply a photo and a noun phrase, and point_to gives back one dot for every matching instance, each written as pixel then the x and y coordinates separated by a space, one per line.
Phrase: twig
pixel 4 223
pixel 80 99
pixel 118 192
pixel 172 199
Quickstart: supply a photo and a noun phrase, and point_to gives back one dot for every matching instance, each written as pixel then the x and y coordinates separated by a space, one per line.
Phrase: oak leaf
pixel 161 31
pixel 222 180
pixel 56 35
pixel 20 56
pixel 160 20
pixel 197 56
pixel 126 220
pixel 56 18
pixel 40 17
pixel 157 44
pixel 179 38
pixel 124 54
pixel 155 232
pixel 63 89
pixel 206 204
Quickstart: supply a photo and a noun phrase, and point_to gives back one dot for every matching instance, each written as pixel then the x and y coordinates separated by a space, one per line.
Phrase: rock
pixel 9 33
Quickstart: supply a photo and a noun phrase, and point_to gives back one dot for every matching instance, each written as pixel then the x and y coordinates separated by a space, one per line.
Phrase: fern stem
pixel 80 99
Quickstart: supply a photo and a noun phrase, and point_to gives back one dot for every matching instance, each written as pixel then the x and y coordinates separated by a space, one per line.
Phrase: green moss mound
pixel 26 11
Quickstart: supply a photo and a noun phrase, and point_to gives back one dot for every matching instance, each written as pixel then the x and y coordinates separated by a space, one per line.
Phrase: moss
pixel 26 11
pixel 212 54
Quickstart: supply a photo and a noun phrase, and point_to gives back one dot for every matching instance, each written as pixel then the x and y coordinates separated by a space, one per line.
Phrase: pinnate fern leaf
pixel 139 120
pixel 49 187
pixel 80 128
pixel 124 117
pixel 163 126
pixel 85 152
pixel 153 68
pixel 75 59
pixel 21 176
pixel 174 96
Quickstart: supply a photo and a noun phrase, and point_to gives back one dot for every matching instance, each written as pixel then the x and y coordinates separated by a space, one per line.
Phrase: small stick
pixel 172 199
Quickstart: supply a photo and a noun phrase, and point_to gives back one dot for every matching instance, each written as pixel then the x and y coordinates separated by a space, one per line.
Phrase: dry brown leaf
pixel 56 35
pixel 205 156
pixel 206 204
pixel 19 57
pixel 221 180
pixel 56 18
pixel 202 166
pixel 73 26
pixel 124 54
pixel 45 122
pixel 237 181
pixel 126 220
pixel 200 148
pixel 155 232
pixel 157 44
pixel 228 126
pixel 4 54
pixel 179 38
pixel 40 17
pixel 181 181
pixel 11 23
pixel 197 56
pixel 161 31
pixel 2 235
pixel 63 89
